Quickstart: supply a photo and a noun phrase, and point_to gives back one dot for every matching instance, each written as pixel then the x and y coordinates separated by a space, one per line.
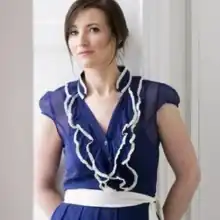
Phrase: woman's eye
pixel 73 32
pixel 94 29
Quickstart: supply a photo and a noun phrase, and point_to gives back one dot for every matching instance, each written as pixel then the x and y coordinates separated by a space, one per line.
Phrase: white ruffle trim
pixel 132 124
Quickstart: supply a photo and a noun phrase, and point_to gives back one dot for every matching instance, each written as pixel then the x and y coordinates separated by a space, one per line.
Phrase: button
pixel 106 143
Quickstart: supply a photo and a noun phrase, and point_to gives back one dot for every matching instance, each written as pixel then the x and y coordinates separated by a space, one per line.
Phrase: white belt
pixel 113 199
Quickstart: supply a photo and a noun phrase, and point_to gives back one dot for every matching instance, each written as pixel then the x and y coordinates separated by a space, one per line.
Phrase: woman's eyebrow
pixel 88 25
pixel 91 24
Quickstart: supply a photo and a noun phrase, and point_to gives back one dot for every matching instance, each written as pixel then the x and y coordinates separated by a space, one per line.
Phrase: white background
pixel 176 42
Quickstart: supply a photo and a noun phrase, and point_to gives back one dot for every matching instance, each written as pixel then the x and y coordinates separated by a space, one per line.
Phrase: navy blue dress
pixel 124 158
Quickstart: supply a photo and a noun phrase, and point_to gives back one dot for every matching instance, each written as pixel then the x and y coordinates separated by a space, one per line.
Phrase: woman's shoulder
pixel 152 84
pixel 157 92
pixel 70 87
pixel 56 96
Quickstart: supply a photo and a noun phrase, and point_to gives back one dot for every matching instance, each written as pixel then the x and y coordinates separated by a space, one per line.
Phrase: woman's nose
pixel 83 40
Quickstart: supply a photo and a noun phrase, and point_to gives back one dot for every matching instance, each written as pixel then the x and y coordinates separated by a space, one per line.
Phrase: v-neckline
pixel 90 115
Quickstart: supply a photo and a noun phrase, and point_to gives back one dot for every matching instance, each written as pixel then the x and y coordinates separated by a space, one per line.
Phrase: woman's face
pixel 90 39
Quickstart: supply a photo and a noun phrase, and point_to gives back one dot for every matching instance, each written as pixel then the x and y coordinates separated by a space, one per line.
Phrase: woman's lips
pixel 84 53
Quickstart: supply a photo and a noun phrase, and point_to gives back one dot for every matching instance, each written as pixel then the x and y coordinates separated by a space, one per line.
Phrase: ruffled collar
pixel 122 84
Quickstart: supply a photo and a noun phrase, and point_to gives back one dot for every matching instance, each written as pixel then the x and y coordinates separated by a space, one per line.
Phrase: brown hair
pixel 113 13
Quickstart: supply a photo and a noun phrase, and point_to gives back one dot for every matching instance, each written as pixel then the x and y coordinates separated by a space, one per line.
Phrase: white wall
pixel 206 63
pixel 16 110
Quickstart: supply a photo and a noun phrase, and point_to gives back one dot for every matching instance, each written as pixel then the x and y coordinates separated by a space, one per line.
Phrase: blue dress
pixel 125 158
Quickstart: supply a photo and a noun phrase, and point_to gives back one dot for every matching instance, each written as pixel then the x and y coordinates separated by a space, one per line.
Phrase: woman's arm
pixel 181 157
pixel 47 160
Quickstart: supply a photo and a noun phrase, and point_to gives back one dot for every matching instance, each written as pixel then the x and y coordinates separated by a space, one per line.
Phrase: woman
pixel 109 126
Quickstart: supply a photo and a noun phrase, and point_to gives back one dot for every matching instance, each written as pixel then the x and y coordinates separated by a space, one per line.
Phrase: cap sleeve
pixel 45 105
pixel 167 94
pixel 48 106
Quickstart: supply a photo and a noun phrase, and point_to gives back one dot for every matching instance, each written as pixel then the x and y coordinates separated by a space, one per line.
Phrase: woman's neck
pixel 102 81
